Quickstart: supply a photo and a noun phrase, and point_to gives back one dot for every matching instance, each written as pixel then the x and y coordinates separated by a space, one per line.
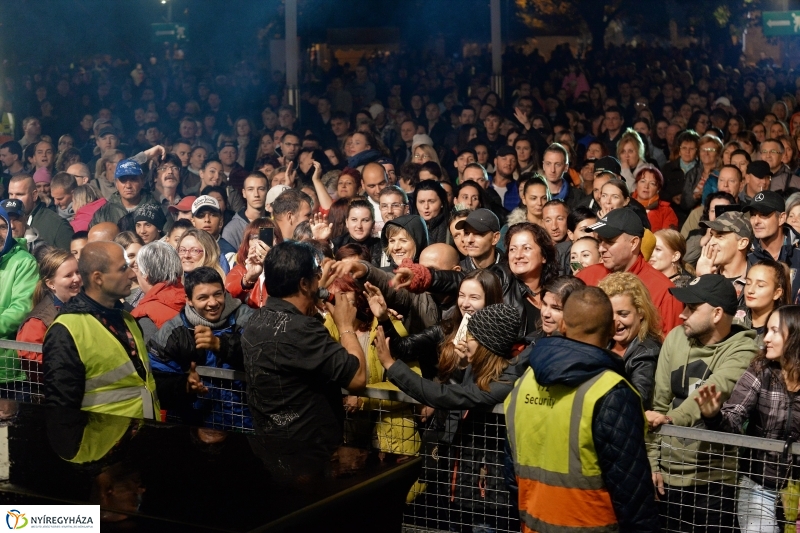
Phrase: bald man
pixel 544 402
pixel 440 256
pixel 104 231
pixel 373 180
pixel 80 172
pixel 94 354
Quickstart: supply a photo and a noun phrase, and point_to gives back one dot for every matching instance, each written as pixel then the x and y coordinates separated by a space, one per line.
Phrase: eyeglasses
pixel 421 156
pixel 76 176
pixel 709 150
pixel 773 152
pixel 192 252
pixel 392 206
pixel 171 168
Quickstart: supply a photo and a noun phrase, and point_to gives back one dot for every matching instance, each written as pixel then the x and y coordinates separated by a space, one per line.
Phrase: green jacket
pixel 18 276
pixel 683 366
pixel 114 211
pixel 52 229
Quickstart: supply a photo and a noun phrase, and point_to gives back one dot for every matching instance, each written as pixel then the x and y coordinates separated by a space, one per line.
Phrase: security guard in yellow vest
pixel 576 431
pixel 94 356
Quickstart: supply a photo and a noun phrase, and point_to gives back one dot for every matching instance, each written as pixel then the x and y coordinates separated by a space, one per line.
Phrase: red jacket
pixel 657 284
pixel 255 297
pixel 662 217
pixel 83 216
pixel 161 303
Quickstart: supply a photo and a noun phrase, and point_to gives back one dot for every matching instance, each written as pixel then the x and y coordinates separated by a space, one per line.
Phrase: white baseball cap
pixel 205 202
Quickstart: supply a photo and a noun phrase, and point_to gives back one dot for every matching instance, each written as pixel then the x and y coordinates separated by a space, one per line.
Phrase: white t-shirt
pixel 501 191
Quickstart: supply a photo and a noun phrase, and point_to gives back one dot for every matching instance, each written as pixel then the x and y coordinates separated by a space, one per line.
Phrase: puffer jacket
pixel 172 350
pixel 640 360
pixel 18 276
pixel 617 427
pixel 761 402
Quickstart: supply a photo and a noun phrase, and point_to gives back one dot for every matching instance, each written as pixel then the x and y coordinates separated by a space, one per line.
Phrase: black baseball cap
pixel 713 289
pixel 766 202
pixel 505 150
pixel 13 207
pixel 617 222
pixel 607 164
pixel 481 220
pixel 759 169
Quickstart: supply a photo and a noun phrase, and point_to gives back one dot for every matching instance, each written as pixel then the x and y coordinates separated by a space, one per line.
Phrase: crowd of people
pixel 609 247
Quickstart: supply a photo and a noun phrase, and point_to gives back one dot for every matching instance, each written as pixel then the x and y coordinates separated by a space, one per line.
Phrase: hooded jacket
pixel 683 366
pixel 438 231
pixel 617 427
pixel 789 254
pixel 415 226
pixel 18 276
pixel 52 229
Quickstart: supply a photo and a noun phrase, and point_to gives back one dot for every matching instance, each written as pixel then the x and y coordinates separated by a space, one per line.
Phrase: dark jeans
pixel 700 508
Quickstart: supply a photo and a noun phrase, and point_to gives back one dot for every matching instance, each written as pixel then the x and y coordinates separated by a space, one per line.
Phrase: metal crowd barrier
pixel 712 480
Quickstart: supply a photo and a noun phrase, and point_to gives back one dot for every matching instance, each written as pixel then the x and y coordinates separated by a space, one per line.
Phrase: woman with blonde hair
pixel 85 202
pixel 197 248
pixel 630 151
pixel 637 330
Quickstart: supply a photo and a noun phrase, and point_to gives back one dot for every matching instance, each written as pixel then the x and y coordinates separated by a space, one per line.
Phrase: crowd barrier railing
pixel 713 481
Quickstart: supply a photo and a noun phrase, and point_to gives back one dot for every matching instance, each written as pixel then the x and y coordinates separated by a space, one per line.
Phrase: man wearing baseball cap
pixel 757 178
pixel 726 251
pixel 207 216
pixel 708 350
pixel 620 234
pixel 774 239
pixel 503 183
pixel 183 209
pixel 481 235
pixel 128 182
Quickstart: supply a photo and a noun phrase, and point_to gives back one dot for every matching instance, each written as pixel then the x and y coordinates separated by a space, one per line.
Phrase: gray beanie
pixel 496 327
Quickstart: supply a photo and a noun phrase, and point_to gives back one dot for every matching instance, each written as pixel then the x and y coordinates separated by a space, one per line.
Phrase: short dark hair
pixel 199 276
pixel 578 215
pixel 78 235
pixel 220 189
pixel 614 109
pixel 287 264
pixel 13 147
pixel 289 202
pixel 183 223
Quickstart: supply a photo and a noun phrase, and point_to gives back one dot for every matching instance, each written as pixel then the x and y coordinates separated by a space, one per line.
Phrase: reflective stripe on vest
pixel 561 489
pixel 113 386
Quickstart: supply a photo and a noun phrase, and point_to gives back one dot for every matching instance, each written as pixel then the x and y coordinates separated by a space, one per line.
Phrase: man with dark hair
pixel 11 158
pixel 602 481
pixel 52 229
pixel 492 134
pixel 206 332
pixel 340 126
pixel 295 369
pixel 555 215
pixel 436 127
pixel 503 182
pixel 613 121
pixel 290 147
pixel 555 164
pixel 94 355
pixel 255 196
pixel 288 210
pixel 698 480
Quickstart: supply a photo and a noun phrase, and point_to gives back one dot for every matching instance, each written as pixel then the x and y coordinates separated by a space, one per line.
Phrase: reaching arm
pixel 325 200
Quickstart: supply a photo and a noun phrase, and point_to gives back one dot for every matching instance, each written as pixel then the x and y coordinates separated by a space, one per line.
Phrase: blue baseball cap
pixel 128 167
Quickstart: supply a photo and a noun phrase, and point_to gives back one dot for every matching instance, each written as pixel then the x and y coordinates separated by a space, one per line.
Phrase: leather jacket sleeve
pixel 618 433
pixel 641 369
pixel 422 347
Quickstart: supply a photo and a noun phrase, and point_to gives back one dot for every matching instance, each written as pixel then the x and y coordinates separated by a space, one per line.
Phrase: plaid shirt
pixel 761 401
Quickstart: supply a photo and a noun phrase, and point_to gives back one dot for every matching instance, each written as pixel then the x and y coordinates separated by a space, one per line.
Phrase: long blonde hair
pixel 625 283
pixel 211 252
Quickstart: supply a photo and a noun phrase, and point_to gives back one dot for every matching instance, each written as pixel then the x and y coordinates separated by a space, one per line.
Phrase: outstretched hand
pixel 402 278
pixel 708 399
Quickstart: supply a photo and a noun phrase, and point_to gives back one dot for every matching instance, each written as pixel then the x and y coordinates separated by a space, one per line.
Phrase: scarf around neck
pixel 194 318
